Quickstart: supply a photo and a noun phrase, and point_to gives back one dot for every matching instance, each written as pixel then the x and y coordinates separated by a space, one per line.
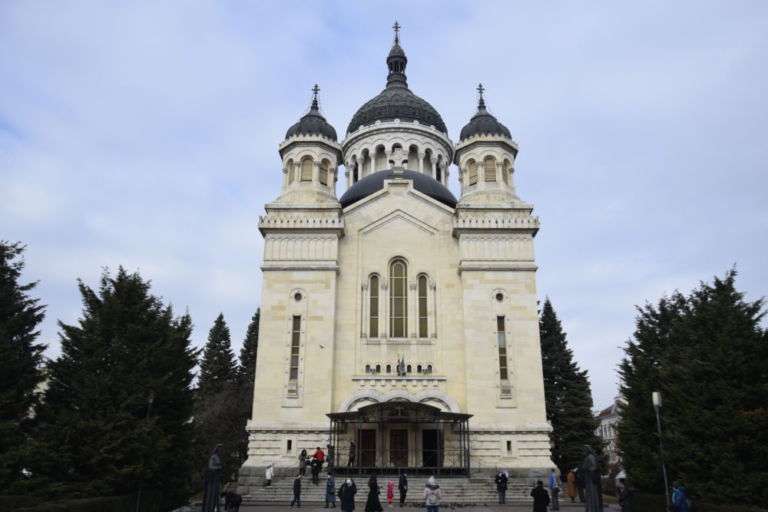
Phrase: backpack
pixel 433 498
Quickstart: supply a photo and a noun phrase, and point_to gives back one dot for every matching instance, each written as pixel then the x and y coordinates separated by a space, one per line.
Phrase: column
pixel 420 157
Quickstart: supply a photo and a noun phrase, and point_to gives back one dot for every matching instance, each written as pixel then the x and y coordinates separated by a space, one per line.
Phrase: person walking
pixel 303 462
pixel 330 490
pixel 554 489
pixel 373 504
pixel 625 496
pixel 347 493
pixel 680 500
pixel 402 486
pixel 390 493
pixel 320 456
pixel 540 497
pixel 572 485
pixel 501 487
pixel 314 469
pixel 268 473
pixel 297 491
pixel 432 495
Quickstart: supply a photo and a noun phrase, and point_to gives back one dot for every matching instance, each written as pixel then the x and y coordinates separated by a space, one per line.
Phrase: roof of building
pixel 483 123
pixel 313 122
pixel 375 182
pixel 396 101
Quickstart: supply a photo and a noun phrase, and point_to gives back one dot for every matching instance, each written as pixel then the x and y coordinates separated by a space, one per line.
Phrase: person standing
pixel 351 459
pixel 540 497
pixel 402 485
pixel 314 468
pixel 432 495
pixel 591 470
pixel 297 491
pixel 580 483
pixel 680 500
pixel 572 485
pixel 212 491
pixel 554 489
pixel 320 456
pixel 390 493
pixel 331 457
pixel 330 490
pixel 303 462
pixel 268 473
pixel 373 504
pixel 625 496
pixel 501 487
pixel 347 493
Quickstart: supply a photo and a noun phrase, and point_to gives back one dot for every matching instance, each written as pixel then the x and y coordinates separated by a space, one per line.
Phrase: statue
pixel 212 489
pixel 591 471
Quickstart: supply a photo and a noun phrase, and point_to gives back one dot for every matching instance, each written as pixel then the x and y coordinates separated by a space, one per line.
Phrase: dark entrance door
pixel 398 447
pixel 367 444
pixel 431 448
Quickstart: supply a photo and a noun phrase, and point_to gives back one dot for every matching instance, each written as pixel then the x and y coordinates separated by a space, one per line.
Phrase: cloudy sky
pixel 145 134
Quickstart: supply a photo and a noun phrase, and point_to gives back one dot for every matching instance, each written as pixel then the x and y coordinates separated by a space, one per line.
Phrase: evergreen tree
pixel 116 415
pixel 249 351
pixel 567 395
pixel 218 365
pixel 20 358
pixel 706 353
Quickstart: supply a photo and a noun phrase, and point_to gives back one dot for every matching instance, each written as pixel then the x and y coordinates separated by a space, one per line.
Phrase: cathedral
pixel 399 323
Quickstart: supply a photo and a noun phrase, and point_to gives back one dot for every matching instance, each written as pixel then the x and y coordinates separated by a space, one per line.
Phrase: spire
pixel 396 61
pixel 481 101
pixel 315 105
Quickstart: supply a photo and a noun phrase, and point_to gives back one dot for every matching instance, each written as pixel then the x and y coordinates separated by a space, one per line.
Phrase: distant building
pixel 609 419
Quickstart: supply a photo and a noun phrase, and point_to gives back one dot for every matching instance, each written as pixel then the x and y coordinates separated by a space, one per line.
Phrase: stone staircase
pixel 462 490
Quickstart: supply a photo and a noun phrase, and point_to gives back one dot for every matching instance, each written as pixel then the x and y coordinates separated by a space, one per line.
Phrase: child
pixel 390 492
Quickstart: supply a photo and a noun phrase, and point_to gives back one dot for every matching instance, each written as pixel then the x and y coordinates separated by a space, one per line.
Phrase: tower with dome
pixel 399 323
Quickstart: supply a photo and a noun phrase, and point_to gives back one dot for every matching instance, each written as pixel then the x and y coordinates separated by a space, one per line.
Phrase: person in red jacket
pixel 320 456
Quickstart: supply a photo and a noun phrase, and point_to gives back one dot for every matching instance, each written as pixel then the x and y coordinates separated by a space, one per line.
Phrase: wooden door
pixel 398 447
pixel 367 444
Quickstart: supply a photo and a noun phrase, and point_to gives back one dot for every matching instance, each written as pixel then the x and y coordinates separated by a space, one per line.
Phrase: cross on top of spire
pixel 396 27
pixel 315 90
pixel 481 101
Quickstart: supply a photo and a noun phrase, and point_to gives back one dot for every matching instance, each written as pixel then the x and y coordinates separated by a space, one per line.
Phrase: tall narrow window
pixel 439 176
pixel 306 169
pixel 291 171
pixel 373 326
pixel 324 172
pixel 502 336
pixel 472 172
pixel 489 165
pixel 295 339
pixel 423 324
pixel 398 299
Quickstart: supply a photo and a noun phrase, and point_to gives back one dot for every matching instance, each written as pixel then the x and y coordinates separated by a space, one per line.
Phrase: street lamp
pixel 656 398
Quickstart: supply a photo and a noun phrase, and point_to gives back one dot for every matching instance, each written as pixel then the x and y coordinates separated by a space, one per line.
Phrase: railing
pixel 391 461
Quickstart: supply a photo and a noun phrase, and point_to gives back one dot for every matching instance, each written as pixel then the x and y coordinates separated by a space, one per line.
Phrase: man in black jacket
pixel 540 497
pixel 403 486
pixel 501 487
pixel 297 491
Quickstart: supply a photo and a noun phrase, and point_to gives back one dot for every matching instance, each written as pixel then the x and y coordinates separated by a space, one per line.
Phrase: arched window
pixel 472 168
pixel 408 370
pixel 306 169
pixel 429 368
pixel 355 174
pixel 373 324
pixel 398 299
pixel 423 324
pixel 324 166
pixel 489 165
pixel 378 368
pixel 291 171
pixel 389 368
pixel 367 368
pixel 418 368
pixel 505 171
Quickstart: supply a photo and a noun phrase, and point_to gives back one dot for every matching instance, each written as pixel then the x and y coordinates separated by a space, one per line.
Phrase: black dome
pixel 396 101
pixel 483 123
pixel 375 182
pixel 313 123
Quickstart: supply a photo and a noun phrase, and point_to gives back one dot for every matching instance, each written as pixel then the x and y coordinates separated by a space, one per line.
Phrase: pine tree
pixel 116 415
pixel 20 359
pixel 567 395
pixel 706 353
pixel 217 367
pixel 249 351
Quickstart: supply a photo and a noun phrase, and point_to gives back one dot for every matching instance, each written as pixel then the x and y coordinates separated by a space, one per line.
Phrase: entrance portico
pixel 401 435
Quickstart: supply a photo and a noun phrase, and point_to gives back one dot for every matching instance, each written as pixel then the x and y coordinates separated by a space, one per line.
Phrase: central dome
pixel 375 182
pixel 396 101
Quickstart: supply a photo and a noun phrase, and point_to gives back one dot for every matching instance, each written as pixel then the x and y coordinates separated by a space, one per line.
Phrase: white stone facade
pixel 350 291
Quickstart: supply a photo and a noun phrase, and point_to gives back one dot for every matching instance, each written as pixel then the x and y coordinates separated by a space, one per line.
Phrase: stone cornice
pixel 309 139
pixel 480 223
pixel 300 265
pixel 496 266
pixel 483 138
pixel 397 126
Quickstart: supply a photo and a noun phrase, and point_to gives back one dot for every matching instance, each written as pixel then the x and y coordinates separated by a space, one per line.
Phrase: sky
pixel 145 134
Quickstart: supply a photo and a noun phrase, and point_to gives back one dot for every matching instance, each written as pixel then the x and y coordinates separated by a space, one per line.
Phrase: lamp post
pixel 656 398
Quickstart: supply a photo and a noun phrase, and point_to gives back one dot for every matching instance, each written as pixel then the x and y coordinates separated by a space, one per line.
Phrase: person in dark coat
pixel 540 497
pixel 212 478
pixel 373 504
pixel 314 467
pixel 232 501
pixel 592 480
pixel 579 474
pixel 303 462
pixel 625 496
pixel 347 493
pixel 297 491
pixel 402 485
pixel 501 487
pixel 351 459
pixel 330 491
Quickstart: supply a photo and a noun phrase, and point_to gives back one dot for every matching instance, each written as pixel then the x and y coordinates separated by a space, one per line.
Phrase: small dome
pixel 313 123
pixel 483 123
pixel 375 182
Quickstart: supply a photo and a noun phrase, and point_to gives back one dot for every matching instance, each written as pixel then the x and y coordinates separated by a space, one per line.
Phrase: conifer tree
pixel 567 395
pixel 20 359
pixel 706 353
pixel 117 413
pixel 249 351
pixel 217 367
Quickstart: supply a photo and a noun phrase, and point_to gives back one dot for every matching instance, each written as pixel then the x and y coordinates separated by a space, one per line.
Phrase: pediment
pixel 395 217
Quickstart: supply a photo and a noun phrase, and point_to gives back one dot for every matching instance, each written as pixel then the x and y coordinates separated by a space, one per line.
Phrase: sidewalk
pixel 360 507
